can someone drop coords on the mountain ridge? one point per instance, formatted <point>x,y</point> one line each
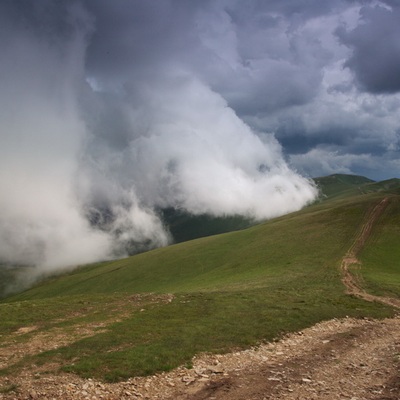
<point>155,311</point>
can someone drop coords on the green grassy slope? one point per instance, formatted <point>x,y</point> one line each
<point>296,244</point>
<point>231,290</point>
<point>342,184</point>
<point>387,186</point>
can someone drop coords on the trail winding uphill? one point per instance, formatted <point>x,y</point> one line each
<point>338,359</point>
<point>352,284</point>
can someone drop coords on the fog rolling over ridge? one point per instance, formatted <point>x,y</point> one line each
<point>91,148</point>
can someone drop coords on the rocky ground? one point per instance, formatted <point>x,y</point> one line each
<point>338,359</point>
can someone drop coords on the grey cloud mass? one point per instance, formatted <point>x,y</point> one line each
<point>375,58</point>
<point>113,110</point>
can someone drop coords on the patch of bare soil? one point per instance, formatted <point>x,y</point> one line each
<point>12,350</point>
<point>337,359</point>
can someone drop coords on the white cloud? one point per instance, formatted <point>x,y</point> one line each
<point>82,172</point>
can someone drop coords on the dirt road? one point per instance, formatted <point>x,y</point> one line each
<point>337,359</point>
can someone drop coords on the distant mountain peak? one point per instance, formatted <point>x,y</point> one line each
<point>346,184</point>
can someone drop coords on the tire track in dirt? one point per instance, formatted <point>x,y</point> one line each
<point>352,284</point>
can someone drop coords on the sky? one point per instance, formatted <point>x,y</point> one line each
<point>113,110</point>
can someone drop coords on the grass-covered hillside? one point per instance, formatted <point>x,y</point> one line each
<point>341,184</point>
<point>156,310</point>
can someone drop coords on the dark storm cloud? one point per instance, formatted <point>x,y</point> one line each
<point>263,60</point>
<point>375,59</point>
<point>291,8</point>
<point>252,54</point>
<point>337,120</point>
<point>138,37</point>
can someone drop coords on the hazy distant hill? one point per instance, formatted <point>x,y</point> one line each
<point>336,184</point>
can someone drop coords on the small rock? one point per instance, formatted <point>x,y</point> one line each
<point>188,379</point>
<point>199,371</point>
<point>216,369</point>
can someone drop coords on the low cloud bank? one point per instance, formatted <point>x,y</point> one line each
<point>85,165</point>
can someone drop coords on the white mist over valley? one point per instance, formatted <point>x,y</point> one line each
<point>86,161</point>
